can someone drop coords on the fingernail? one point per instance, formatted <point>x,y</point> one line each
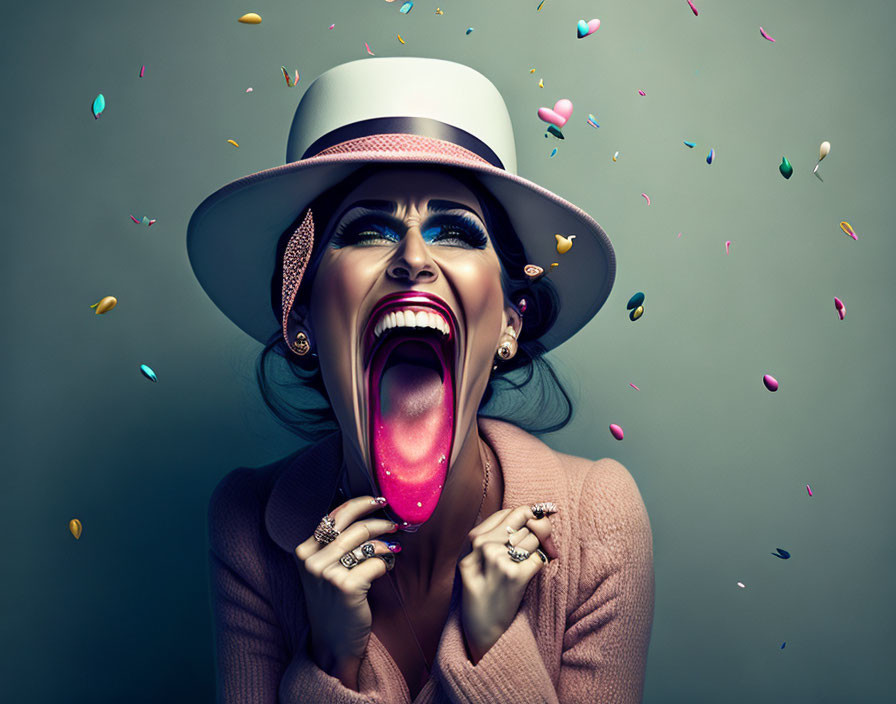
<point>393,546</point>
<point>380,500</point>
<point>393,528</point>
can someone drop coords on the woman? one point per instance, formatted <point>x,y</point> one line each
<point>422,551</point>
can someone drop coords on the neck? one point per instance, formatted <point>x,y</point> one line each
<point>431,553</point>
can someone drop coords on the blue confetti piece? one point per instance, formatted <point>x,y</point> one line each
<point>783,554</point>
<point>99,104</point>
<point>148,373</point>
<point>469,29</point>
<point>556,132</point>
<point>406,8</point>
<point>554,153</point>
<point>783,644</point>
<point>691,145</point>
<point>710,156</point>
<point>592,120</point>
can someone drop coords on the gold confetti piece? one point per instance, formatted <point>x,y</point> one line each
<point>439,12</point>
<point>250,18</point>
<point>230,141</point>
<point>531,70</point>
<point>564,244</point>
<point>74,526</point>
<point>105,304</point>
<point>541,83</point>
<point>399,38</point>
<point>553,264</point>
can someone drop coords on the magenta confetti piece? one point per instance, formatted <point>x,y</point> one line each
<point>634,387</point>
<point>765,35</point>
<point>135,219</point>
<point>368,49</point>
<point>646,197</point>
<point>727,245</point>
<point>331,26</point>
<point>141,71</point>
<point>841,309</point>
<point>617,431</point>
<point>770,382</point>
<point>679,235</point>
<point>249,90</point>
<point>693,9</point>
<point>641,92</point>
<point>809,490</point>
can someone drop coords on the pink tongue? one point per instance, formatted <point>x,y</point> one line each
<point>413,423</point>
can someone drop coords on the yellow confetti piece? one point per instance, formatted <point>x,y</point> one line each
<point>531,70</point>
<point>439,12</point>
<point>541,83</point>
<point>230,141</point>
<point>399,38</point>
<point>74,526</point>
<point>250,18</point>
<point>554,264</point>
<point>105,304</point>
<point>564,244</point>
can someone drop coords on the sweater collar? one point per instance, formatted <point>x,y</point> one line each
<point>307,484</point>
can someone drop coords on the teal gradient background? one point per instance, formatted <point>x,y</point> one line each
<point>123,614</point>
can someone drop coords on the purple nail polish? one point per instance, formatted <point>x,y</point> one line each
<point>393,546</point>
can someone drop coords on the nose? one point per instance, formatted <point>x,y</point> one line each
<point>412,261</point>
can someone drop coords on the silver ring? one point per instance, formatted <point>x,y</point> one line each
<point>368,549</point>
<point>544,508</point>
<point>389,559</point>
<point>542,555</point>
<point>349,560</point>
<point>518,554</point>
<point>326,530</point>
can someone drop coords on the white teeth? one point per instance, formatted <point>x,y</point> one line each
<point>410,319</point>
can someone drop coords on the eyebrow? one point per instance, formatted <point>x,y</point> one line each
<point>435,205</point>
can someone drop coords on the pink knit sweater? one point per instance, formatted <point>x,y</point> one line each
<point>581,633</point>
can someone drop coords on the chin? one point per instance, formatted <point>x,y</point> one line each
<point>407,390</point>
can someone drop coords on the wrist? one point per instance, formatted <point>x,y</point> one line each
<point>345,668</point>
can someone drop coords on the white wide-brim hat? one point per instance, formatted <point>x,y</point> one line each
<point>392,110</point>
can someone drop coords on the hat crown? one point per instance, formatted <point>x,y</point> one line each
<point>434,90</point>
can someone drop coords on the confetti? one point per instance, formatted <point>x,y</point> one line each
<point>646,197</point>
<point>469,29</point>
<point>783,554</point>
<point>564,244</point>
<point>250,18</point>
<point>331,26</point>
<point>847,228</point>
<point>740,584</point>
<point>809,490</point>
<point>690,145</point>
<point>406,8</point>
<point>368,49</point>
<point>439,12</point>
<point>839,307</point>
<point>785,168</point>
<point>693,9</point>
<point>135,219</point>
<point>146,221</point>
<point>711,157</point>
<point>641,92</point>
<point>99,104</point>
<point>142,68</point>
<point>541,83</point>
<point>554,152</point>
<point>727,246</point>
<point>823,150</point>
<point>679,235</point>
<point>105,304</point>
<point>74,526</point>
<point>583,28</point>
<point>538,9</point>
<point>531,70</point>
<point>558,115</point>
<point>230,141</point>
<point>636,300</point>
<point>615,155</point>
<point>249,90</point>
<point>636,313</point>
<point>633,386</point>
<point>592,120</point>
<point>783,644</point>
<point>554,264</point>
<point>616,431</point>
<point>554,131</point>
<point>770,382</point>
<point>400,39</point>
<point>148,373</point>
<point>765,35</point>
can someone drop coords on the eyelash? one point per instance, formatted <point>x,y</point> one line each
<point>353,231</point>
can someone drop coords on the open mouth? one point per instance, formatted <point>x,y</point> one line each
<point>409,359</point>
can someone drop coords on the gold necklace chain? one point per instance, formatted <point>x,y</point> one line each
<point>394,581</point>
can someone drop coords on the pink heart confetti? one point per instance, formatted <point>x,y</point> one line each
<point>559,115</point>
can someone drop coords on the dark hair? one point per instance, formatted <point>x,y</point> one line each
<point>524,390</point>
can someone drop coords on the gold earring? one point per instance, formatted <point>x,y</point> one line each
<point>301,346</point>
<point>507,349</point>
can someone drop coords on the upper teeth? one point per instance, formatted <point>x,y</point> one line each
<point>410,319</point>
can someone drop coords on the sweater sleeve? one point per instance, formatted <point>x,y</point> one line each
<point>253,662</point>
<point>608,629</point>
<point>250,648</point>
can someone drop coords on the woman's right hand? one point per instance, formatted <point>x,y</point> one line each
<point>336,596</point>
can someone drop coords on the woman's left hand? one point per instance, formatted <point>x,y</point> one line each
<point>493,583</point>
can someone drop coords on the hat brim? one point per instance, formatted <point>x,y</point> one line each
<point>232,236</point>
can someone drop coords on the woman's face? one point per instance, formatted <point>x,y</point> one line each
<point>406,314</point>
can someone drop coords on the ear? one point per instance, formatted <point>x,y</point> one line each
<point>513,318</point>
